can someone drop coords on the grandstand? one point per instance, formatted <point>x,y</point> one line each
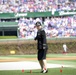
<point>58,11</point>
<point>8,28</point>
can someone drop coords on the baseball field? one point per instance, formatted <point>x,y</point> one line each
<point>58,64</point>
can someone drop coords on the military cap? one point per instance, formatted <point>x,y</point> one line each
<point>38,23</point>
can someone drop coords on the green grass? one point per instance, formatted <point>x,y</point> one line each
<point>35,55</point>
<point>64,62</point>
<point>53,71</point>
<point>8,37</point>
<point>18,56</point>
<point>62,55</point>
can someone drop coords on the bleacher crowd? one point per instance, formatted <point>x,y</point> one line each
<point>55,27</point>
<point>15,6</point>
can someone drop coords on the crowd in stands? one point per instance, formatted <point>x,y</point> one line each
<point>15,6</point>
<point>55,27</point>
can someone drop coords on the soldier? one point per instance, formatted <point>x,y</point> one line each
<point>42,47</point>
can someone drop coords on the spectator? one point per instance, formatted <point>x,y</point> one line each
<point>54,27</point>
<point>33,6</point>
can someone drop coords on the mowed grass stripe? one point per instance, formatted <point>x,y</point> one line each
<point>64,62</point>
<point>35,55</point>
<point>53,71</point>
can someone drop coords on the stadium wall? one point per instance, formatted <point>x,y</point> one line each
<point>22,47</point>
<point>38,14</point>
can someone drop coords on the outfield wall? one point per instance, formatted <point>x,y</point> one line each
<point>22,46</point>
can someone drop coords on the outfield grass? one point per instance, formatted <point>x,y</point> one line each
<point>53,71</point>
<point>35,55</point>
<point>62,55</point>
<point>8,37</point>
<point>64,62</point>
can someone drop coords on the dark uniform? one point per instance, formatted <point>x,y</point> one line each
<point>41,44</point>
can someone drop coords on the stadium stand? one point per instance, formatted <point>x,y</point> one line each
<point>36,5</point>
<point>15,17</point>
<point>54,27</point>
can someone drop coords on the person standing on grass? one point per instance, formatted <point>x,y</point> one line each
<point>42,47</point>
